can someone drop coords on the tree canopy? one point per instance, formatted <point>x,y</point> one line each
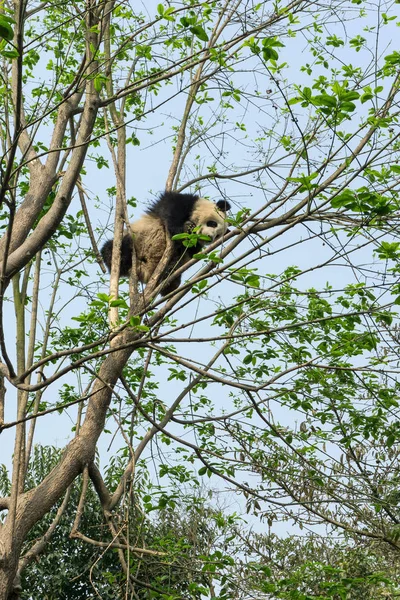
<point>239,437</point>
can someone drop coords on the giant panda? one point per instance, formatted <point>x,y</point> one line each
<point>172,213</point>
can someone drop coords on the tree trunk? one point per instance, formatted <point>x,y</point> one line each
<point>33,504</point>
<point>9,555</point>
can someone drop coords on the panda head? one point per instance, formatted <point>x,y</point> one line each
<point>209,218</point>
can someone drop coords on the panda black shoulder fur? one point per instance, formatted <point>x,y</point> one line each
<point>174,213</point>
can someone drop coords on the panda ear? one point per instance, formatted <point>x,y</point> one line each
<point>223,205</point>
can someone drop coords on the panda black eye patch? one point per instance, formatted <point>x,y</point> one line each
<point>212,224</point>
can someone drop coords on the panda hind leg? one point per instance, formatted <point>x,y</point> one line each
<point>126,255</point>
<point>171,286</point>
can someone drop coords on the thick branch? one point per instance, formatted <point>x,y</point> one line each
<point>49,223</point>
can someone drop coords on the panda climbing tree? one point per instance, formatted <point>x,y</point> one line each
<point>173,214</point>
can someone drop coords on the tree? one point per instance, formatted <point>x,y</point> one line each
<point>170,544</point>
<point>256,373</point>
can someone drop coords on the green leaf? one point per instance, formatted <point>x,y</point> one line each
<point>199,32</point>
<point>347,198</point>
<point>351,95</point>
<point>272,42</point>
<point>253,281</point>
<point>390,440</point>
<point>103,297</point>
<point>180,236</point>
<point>365,97</point>
<point>270,54</point>
<point>269,45</point>
<point>347,106</point>
<point>6,31</point>
<point>119,303</point>
<point>324,100</point>
<point>10,53</point>
<point>389,250</point>
<point>99,82</point>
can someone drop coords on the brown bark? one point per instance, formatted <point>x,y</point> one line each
<point>35,503</point>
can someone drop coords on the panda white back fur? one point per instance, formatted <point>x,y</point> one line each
<point>172,213</point>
